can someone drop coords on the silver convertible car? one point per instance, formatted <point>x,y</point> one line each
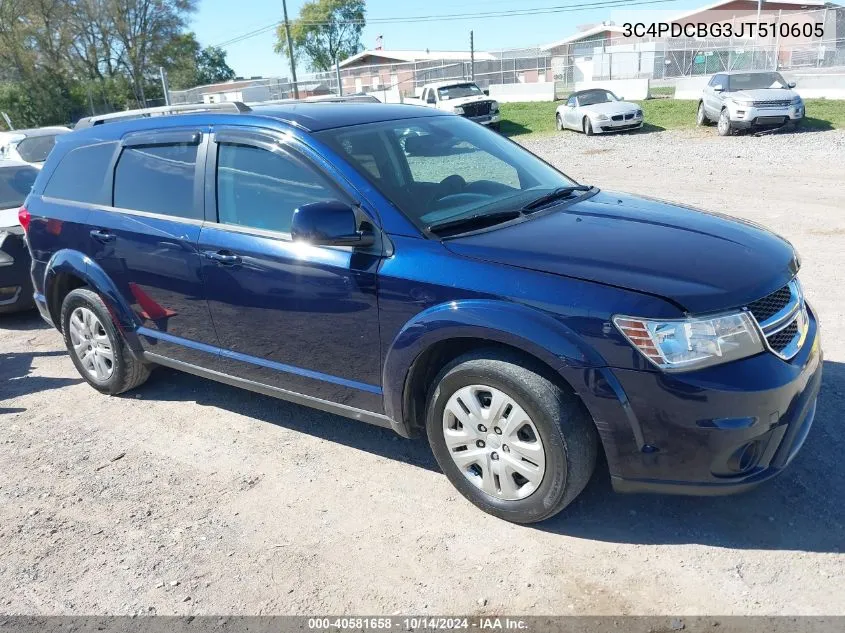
<point>596,110</point>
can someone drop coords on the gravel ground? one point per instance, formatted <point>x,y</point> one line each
<point>190,497</point>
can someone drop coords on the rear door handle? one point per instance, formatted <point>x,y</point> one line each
<point>226,258</point>
<point>102,236</point>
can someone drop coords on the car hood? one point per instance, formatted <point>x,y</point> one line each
<point>703,262</point>
<point>611,107</point>
<point>9,218</point>
<point>764,94</point>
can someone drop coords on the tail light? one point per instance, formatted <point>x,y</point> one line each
<point>24,218</point>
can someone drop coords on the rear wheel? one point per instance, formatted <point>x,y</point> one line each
<point>515,444</point>
<point>701,118</point>
<point>97,349</point>
<point>724,125</point>
<point>588,126</point>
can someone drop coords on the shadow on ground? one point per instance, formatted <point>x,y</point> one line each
<point>803,509</point>
<point>29,320</point>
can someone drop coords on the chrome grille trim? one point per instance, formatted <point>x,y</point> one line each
<point>792,315</point>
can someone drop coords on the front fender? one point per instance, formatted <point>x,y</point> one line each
<point>538,333</point>
<point>79,265</point>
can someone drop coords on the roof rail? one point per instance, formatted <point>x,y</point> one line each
<point>99,119</point>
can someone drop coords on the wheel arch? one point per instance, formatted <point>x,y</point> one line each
<point>68,270</point>
<point>440,334</point>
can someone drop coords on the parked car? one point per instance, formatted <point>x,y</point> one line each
<point>595,111</point>
<point>16,180</point>
<point>30,146</point>
<point>460,97</point>
<point>749,100</point>
<point>408,268</point>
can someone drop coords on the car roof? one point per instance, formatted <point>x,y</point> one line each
<point>314,117</point>
<point>40,131</point>
<point>748,72</point>
<point>452,82</point>
<point>588,90</point>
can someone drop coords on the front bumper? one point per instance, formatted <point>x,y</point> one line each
<point>486,119</point>
<point>744,118</point>
<point>617,126</point>
<point>719,430</point>
<point>15,281</point>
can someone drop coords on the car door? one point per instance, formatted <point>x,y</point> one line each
<point>712,99</point>
<point>290,315</point>
<point>571,114</point>
<point>146,242</point>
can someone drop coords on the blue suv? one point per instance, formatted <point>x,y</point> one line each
<point>409,268</point>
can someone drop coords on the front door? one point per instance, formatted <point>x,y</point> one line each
<point>289,315</point>
<point>146,242</point>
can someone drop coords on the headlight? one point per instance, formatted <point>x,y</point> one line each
<point>685,344</point>
<point>638,113</point>
<point>743,103</point>
<point>458,110</point>
<point>602,117</point>
<point>494,106</point>
<point>796,100</point>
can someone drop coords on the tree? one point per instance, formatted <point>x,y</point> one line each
<point>325,31</point>
<point>212,66</point>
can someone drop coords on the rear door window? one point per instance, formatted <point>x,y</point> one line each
<point>35,149</point>
<point>158,179</point>
<point>15,183</point>
<point>81,174</point>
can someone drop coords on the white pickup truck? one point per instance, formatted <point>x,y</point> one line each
<point>461,97</point>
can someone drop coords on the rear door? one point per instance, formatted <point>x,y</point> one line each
<point>147,241</point>
<point>289,315</point>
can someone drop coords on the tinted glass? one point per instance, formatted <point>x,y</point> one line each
<point>35,149</point>
<point>756,81</point>
<point>458,91</point>
<point>15,183</point>
<point>443,168</point>
<point>81,173</point>
<point>260,189</point>
<point>596,96</point>
<point>157,179</point>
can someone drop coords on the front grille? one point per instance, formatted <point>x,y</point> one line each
<point>616,117</point>
<point>779,341</point>
<point>629,116</point>
<point>771,120</point>
<point>765,308</point>
<point>480,108</point>
<point>771,104</point>
<point>782,316</point>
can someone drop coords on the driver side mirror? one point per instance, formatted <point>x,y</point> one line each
<point>329,223</point>
<point>791,84</point>
<point>487,92</point>
<point>718,88</point>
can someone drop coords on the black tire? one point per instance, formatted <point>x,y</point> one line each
<point>701,119</point>
<point>566,429</point>
<point>724,127</point>
<point>127,371</point>
<point>558,123</point>
<point>588,126</point>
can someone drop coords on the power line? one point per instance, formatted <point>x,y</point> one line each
<point>457,16</point>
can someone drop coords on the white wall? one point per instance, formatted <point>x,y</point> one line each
<point>387,96</point>
<point>817,86</point>
<point>690,87</point>
<point>508,93</point>
<point>629,89</point>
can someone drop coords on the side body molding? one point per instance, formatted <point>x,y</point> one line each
<point>537,333</point>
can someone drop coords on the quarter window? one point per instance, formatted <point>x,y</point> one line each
<point>81,173</point>
<point>158,179</point>
<point>260,189</point>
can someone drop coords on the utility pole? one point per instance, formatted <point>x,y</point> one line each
<point>290,50</point>
<point>471,56</point>
<point>164,88</point>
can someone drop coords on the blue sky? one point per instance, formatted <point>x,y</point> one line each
<point>221,20</point>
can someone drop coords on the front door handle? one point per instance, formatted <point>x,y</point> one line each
<point>102,235</point>
<point>226,258</point>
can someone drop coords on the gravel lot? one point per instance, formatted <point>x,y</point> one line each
<point>190,497</point>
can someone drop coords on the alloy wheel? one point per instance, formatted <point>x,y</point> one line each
<point>91,344</point>
<point>493,442</point>
<point>724,123</point>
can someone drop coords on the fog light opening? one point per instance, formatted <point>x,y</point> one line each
<point>745,457</point>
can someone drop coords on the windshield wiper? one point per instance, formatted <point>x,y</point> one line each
<point>560,192</point>
<point>479,220</point>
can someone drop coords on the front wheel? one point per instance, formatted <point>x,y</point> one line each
<point>558,123</point>
<point>512,442</point>
<point>724,125</point>
<point>701,118</point>
<point>588,126</point>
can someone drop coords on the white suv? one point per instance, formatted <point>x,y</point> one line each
<point>749,100</point>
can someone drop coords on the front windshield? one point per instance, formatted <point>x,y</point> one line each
<point>596,96</point>
<point>15,183</point>
<point>437,169</point>
<point>755,81</point>
<point>458,91</point>
<point>35,149</point>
